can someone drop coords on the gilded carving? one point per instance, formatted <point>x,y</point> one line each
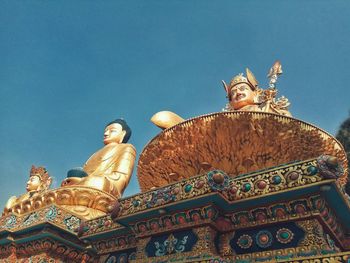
<point>234,142</point>
<point>249,184</point>
<point>39,182</point>
<point>45,250</point>
<point>314,233</point>
<point>239,187</point>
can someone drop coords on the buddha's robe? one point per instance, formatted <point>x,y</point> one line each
<point>109,169</point>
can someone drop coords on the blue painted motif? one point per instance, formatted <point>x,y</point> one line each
<point>170,245</point>
<point>51,213</point>
<point>30,219</point>
<point>177,242</point>
<point>72,222</point>
<point>11,221</point>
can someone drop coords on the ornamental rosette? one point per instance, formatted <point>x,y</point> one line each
<point>218,180</point>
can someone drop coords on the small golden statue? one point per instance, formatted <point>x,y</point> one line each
<point>110,168</point>
<point>39,181</point>
<point>244,93</point>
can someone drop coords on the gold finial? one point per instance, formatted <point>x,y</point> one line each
<point>273,74</point>
<point>276,69</point>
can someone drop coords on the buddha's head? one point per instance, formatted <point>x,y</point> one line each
<point>240,92</point>
<point>39,179</point>
<point>117,131</point>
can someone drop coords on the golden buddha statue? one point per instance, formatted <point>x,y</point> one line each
<point>39,181</point>
<point>244,93</point>
<point>110,168</point>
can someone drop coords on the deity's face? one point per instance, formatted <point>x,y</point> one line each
<point>241,95</point>
<point>113,133</point>
<point>33,183</point>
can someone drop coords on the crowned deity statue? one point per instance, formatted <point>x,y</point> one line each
<point>39,181</point>
<point>244,93</point>
<point>110,168</point>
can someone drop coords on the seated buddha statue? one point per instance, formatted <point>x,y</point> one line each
<point>39,181</point>
<point>110,168</point>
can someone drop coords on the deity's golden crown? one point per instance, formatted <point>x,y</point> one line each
<point>250,80</point>
<point>239,79</point>
<point>41,172</point>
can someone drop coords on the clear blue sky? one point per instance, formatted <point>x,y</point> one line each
<point>69,67</point>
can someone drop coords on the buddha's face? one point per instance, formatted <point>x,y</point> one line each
<point>113,133</point>
<point>33,183</point>
<point>241,95</point>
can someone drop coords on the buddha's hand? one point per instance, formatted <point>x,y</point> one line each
<point>71,181</point>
